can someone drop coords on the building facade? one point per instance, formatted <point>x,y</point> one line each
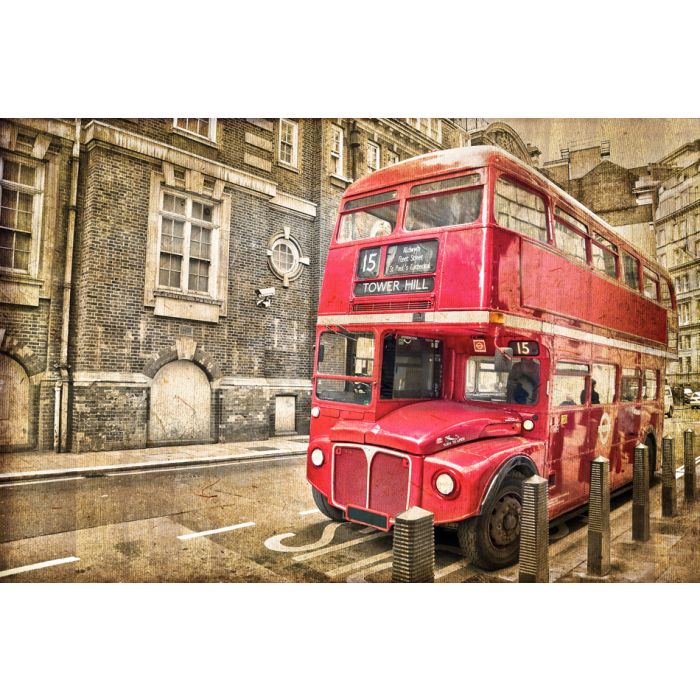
<point>159,277</point>
<point>677,222</point>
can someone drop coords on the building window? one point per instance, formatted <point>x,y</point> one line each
<point>288,143</point>
<point>285,258</point>
<point>431,127</point>
<point>684,313</point>
<point>187,237</point>
<point>373,156</point>
<point>206,128</point>
<point>392,158</point>
<point>337,143</point>
<point>21,184</point>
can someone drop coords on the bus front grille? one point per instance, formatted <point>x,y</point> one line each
<point>386,473</point>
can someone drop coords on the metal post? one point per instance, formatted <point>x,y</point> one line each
<point>599,518</point>
<point>689,481</point>
<point>534,532</point>
<point>640,494</point>
<point>669,496</point>
<point>413,547</point>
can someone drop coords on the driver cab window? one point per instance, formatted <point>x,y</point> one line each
<point>411,368</point>
<point>519,385</point>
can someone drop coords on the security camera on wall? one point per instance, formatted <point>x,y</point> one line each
<point>264,295</point>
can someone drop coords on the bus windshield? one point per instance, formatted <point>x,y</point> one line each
<point>520,385</point>
<point>345,355</point>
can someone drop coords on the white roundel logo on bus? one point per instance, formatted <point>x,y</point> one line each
<point>604,429</point>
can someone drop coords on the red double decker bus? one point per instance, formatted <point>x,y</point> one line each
<point>477,326</point>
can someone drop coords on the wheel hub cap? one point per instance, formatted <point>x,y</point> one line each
<point>504,525</point>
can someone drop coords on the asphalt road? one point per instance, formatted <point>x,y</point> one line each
<point>253,522</point>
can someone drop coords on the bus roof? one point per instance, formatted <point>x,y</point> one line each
<point>456,159</point>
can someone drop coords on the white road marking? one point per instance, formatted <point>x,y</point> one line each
<point>29,482</point>
<point>337,547</point>
<point>359,577</point>
<point>308,512</point>
<point>192,535</point>
<point>275,543</point>
<point>340,570</point>
<point>40,565</point>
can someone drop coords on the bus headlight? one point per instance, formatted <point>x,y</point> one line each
<point>317,457</point>
<point>315,411</point>
<point>445,484</point>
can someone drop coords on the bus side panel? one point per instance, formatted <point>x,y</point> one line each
<point>464,273</point>
<point>552,283</point>
<point>336,289</point>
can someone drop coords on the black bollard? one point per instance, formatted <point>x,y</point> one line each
<point>599,518</point>
<point>413,547</point>
<point>689,480</point>
<point>669,495</point>
<point>640,494</point>
<point>534,532</point>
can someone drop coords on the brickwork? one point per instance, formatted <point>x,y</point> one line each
<point>118,341</point>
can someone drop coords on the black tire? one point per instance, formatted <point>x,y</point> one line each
<point>492,540</point>
<point>326,508</point>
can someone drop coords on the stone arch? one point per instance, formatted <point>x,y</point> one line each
<point>505,137</point>
<point>185,348</point>
<point>20,353</point>
<point>180,405</point>
<point>15,402</point>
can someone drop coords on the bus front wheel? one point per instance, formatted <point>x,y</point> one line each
<point>326,508</point>
<point>492,540</point>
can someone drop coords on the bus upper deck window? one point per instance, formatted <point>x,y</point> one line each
<point>449,206</point>
<point>371,221</point>
<point>651,284</point>
<point>520,210</point>
<point>630,269</point>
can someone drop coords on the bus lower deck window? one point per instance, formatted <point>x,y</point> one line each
<point>520,385</point>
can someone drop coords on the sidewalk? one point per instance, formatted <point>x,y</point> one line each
<point>21,466</point>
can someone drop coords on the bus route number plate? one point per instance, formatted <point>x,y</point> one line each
<point>524,348</point>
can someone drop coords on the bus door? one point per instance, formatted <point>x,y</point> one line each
<point>569,446</point>
<point>603,431</point>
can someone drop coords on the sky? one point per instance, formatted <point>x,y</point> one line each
<point>633,142</point>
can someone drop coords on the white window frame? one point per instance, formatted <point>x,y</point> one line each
<point>373,167</point>
<point>337,154</point>
<point>188,220</point>
<point>37,192</point>
<point>212,128</point>
<point>426,125</point>
<point>294,162</point>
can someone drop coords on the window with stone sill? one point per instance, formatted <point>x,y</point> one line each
<point>21,190</point>
<point>204,128</point>
<point>337,145</point>
<point>373,156</point>
<point>188,236</point>
<point>288,145</point>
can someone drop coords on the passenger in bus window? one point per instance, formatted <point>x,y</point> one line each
<point>523,382</point>
<point>595,398</point>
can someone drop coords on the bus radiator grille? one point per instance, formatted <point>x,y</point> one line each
<point>418,305</point>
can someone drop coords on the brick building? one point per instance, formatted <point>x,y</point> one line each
<point>159,277</point>
<point>619,195</point>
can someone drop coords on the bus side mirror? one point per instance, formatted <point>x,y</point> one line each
<point>503,359</point>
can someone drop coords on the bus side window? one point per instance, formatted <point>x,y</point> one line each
<point>603,384</point>
<point>569,384</point>
<point>629,386</point>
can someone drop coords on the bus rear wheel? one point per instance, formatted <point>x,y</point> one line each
<point>492,540</point>
<point>326,508</point>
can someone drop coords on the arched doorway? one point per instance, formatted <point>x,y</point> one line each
<point>14,403</point>
<point>180,407</point>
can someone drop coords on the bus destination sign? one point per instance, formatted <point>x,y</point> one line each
<point>411,258</point>
<point>407,285</point>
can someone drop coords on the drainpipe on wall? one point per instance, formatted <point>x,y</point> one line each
<point>61,388</point>
<point>354,149</point>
